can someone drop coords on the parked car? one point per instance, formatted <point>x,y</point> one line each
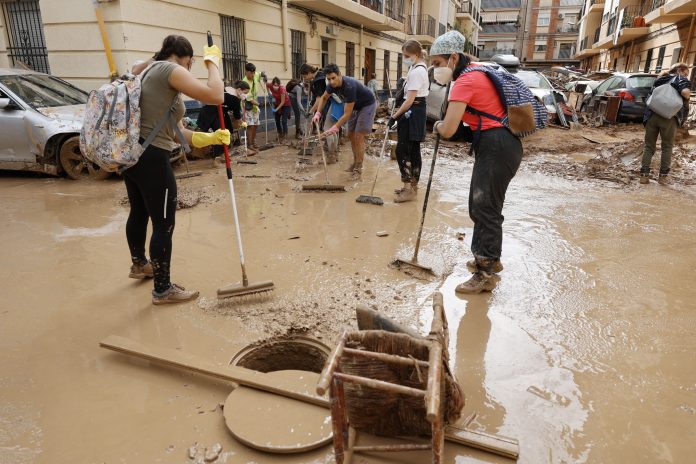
<point>437,92</point>
<point>541,88</point>
<point>633,88</point>
<point>40,121</point>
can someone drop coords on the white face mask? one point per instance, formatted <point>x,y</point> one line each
<point>408,62</point>
<point>443,75</point>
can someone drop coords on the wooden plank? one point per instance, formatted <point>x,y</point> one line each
<point>502,446</point>
<point>172,358</point>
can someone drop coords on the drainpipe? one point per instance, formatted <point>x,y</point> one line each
<point>113,73</point>
<point>687,49</point>
<point>284,21</point>
<point>362,51</point>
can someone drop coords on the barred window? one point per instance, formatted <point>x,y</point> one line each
<point>298,44</point>
<point>233,47</point>
<point>350,59</point>
<point>26,41</point>
<point>386,84</point>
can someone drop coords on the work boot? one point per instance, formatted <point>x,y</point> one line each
<point>496,266</point>
<point>663,180</point>
<point>175,294</point>
<point>480,281</point>
<point>406,194</point>
<point>645,178</point>
<point>141,270</point>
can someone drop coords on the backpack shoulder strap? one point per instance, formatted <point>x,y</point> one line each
<point>167,116</point>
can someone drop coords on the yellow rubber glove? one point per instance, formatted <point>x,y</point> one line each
<point>212,54</point>
<point>205,139</point>
<point>244,125</point>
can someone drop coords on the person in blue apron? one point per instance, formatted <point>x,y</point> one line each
<point>410,118</point>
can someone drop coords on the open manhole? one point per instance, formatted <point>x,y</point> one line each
<point>296,353</point>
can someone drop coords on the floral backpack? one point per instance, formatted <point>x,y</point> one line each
<point>110,135</point>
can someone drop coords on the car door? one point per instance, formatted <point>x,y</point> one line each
<point>14,140</point>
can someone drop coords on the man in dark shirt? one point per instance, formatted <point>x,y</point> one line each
<point>666,128</point>
<point>359,112</point>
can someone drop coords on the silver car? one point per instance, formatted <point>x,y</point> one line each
<point>40,121</point>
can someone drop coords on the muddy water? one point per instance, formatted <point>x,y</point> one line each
<point>584,352</point>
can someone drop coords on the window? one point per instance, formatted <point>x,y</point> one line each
<point>350,59</point>
<point>543,19</point>
<point>676,54</point>
<point>324,52</point>
<point>646,69</point>
<point>660,58</point>
<point>26,42</point>
<point>539,48</point>
<point>233,47</point>
<point>298,45</point>
<point>386,84</point>
<point>399,66</point>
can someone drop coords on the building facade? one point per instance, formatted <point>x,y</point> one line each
<point>637,36</point>
<point>540,33</point>
<point>361,36</point>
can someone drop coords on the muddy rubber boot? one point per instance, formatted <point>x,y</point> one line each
<point>141,270</point>
<point>406,194</point>
<point>175,294</point>
<point>645,178</point>
<point>663,180</point>
<point>480,281</point>
<point>496,266</point>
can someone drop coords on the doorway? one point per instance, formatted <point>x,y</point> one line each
<point>370,64</point>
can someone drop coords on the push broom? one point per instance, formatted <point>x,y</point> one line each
<point>327,186</point>
<point>398,262</point>
<point>246,288</point>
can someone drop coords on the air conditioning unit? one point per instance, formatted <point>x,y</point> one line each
<point>332,29</point>
<point>560,15</point>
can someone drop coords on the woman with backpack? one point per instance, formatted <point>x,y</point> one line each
<point>411,118</point>
<point>150,183</point>
<point>498,154</point>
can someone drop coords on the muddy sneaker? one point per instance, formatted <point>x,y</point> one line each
<point>663,180</point>
<point>175,294</point>
<point>479,282</point>
<point>644,179</point>
<point>495,269</point>
<point>356,174</point>
<point>406,194</point>
<point>141,271</point>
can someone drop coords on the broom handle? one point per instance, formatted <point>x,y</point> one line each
<point>386,137</point>
<point>306,116</point>
<point>323,156</point>
<point>443,111</point>
<point>228,168</point>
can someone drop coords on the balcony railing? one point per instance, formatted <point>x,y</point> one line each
<point>441,29</point>
<point>567,28</point>
<point>468,7</point>
<point>649,5</point>
<point>630,14</point>
<point>489,53</point>
<point>421,25</point>
<point>395,9</point>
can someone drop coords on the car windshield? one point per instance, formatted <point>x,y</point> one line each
<point>533,80</point>
<point>42,91</point>
<point>641,81</point>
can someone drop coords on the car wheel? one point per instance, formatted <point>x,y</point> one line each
<point>75,166</point>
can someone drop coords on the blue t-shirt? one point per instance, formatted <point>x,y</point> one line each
<point>353,91</point>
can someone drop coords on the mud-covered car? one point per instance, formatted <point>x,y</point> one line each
<point>40,121</point>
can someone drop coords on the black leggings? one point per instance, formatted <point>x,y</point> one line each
<point>498,156</point>
<point>151,188</point>
<point>408,154</point>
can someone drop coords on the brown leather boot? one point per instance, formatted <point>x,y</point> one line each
<point>480,281</point>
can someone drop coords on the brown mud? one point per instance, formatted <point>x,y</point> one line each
<point>584,352</point>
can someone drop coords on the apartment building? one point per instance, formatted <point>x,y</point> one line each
<point>632,35</point>
<point>540,33</point>
<point>362,36</point>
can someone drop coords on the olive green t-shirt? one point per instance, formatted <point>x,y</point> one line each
<point>155,100</point>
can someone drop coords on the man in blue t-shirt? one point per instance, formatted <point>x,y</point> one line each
<point>359,112</point>
<point>666,128</point>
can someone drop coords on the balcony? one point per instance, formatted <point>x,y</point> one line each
<point>568,29</point>
<point>586,49</point>
<point>422,27</point>
<point>667,12</point>
<point>631,26</point>
<point>373,14</point>
<point>467,10</point>
<point>487,54</point>
<point>596,6</point>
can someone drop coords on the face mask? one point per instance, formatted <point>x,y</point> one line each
<point>276,88</point>
<point>243,95</point>
<point>327,81</point>
<point>408,62</point>
<point>443,75</point>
